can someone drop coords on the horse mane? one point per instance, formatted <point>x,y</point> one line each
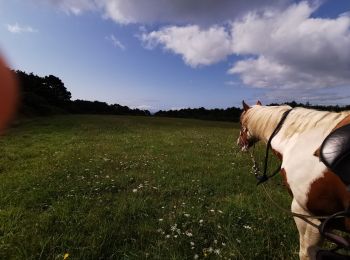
<point>263,119</point>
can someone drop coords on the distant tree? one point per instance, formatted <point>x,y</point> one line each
<point>48,95</point>
<point>97,107</point>
<point>42,96</point>
<point>56,89</point>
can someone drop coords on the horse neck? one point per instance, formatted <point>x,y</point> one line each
<point>264,120</point>
<point>299,123</point>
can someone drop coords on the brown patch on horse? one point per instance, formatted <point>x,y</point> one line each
<point>285,181</point>
<point>278,154</point>
<point>328,195</point>
<point>317,153</point>
<point>344,122</point>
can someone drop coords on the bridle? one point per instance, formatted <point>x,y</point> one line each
<point>341,242</point>
<point>264,177</point>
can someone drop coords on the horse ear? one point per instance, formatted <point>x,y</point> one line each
<point>258,103</point>
<point>245,106</point>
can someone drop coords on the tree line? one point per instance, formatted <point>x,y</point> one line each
<point>233,113</point>
<point>47,95</point>
<point>228,114</point>
<point>334,108</point>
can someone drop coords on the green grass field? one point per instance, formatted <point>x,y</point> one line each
<point>110,187</point>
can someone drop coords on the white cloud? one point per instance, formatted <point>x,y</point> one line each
<point>16,28</point>
<point>232,83</point>
<point>292,50</point>
<point>197,46</point>
<point>76,7</point>
<point>116,43</point>
<point>287,50</point>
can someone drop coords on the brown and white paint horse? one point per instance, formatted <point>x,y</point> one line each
<point>314,188</point>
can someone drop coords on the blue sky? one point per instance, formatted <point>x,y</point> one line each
<point>162,55</point>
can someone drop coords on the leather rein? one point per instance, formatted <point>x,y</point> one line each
<point>325,220</point>
<point>264,177</point>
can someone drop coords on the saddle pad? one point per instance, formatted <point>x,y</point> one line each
<point>335,152</point>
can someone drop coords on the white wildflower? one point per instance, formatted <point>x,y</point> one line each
<point>189,234</point>
<point>247,227</point>
<point>217,251</point>
<point>173,228</point>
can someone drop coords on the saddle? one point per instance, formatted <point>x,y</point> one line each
<point>335,152</point>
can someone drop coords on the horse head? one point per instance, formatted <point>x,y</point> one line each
<point>246,138</point>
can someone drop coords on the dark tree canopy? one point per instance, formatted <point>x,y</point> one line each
<point>56,88</point>
<point>228,114</point>
<point>48,95</point>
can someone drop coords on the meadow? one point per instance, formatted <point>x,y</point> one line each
<point>118,187</point>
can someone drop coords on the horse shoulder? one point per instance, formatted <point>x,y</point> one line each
<point>301,168</point>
